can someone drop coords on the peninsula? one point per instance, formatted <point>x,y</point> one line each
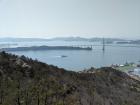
<point>35,48</point>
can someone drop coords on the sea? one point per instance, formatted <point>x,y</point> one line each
<point>77,60</point>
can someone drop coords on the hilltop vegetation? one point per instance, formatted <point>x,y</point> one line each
<point>24,81</point>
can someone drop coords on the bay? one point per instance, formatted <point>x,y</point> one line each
<point>81,59</point>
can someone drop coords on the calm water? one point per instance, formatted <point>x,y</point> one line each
<point>79,60</point>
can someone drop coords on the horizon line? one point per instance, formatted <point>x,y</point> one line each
<point>70,37</point>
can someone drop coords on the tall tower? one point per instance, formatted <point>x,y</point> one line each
<point>103,44</point>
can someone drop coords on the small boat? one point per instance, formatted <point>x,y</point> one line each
<point>63,56</point>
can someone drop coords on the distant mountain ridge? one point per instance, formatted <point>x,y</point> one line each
<point>58,39</point>
<point>21,39</point>
<point>69,39</point>
<point>86,39</point>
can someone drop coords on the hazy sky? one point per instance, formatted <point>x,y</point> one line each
<point>86,18</point>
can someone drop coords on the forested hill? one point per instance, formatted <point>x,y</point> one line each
<point>24,81</point>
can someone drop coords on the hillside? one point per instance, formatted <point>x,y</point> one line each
<point>24,81</point>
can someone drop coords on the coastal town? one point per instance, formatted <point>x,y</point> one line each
<point>131,69</point>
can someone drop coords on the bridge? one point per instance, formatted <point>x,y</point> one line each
<point>83,46</point>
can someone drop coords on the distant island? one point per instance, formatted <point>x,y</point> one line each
<point>137,42</point>
<point>60,39</point>
<point>70,39</point>
<point>35,48</point>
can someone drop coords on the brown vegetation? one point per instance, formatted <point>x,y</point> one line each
<point>24,81</point>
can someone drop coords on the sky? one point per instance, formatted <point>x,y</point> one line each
<point>64,18</point>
